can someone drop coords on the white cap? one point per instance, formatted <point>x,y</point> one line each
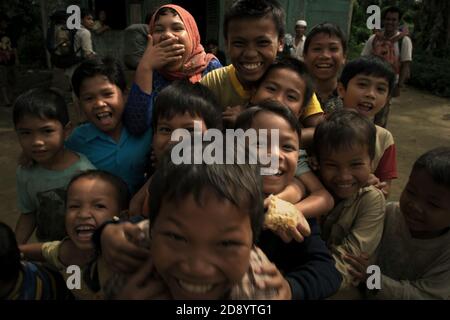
<point>301,23</point>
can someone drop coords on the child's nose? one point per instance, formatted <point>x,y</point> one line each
<point>197,267</point>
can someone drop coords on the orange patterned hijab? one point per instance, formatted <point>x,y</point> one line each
<point>198,59</point>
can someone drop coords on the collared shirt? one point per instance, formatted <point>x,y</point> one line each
<point>298,49</point>
<point>127,158</point>
<point>355,225</point>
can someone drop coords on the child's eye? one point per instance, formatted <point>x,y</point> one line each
<point>238,44</point>
<point>292,98</point>
<point>362,84</point>
<point>316,49</point>
<point>49,130</point>
<point>270,88</point>
<point>73,206</point>
<point>357,164</point>
<point>334,49</point>
<point>175,237</point>
<point>264,43</point>
<point>24,133</point>
<point>99,206</point>
<point>382,89</point>
<point>164,130</point>
<point>229,243</point>
<point>289,147</point>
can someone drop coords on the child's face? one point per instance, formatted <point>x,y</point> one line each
<point>325,56</point>
<point>90,202</point>
<point>425,205</point>
<point>365,94</point>
<point>253,45</point>
<point>165,127</point>
<point>289,145</point>
<point>284,86</point>
<point>102,103</point>
<point>169,26</point>
<point>88,21</point>
<point>41,139</point>
<point>345,171</point>
<point>201,251</point>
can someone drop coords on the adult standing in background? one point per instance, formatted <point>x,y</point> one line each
<point>299,41</point>
<point>402,47</point>
<point>135,42</point>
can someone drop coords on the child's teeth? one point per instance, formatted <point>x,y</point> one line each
<point>195,288</point>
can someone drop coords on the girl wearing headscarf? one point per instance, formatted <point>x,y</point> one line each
<point>173,52</point>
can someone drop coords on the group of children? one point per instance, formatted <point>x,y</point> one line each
<point>197,231</point>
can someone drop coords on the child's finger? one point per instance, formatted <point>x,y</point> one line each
<point>296,235</point>
<point>355,274</point>
<point>303,226</point>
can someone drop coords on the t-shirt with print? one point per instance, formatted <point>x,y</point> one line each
<point>42,191</point>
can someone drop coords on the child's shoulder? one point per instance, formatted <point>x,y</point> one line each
<point>384,136</point>
<point>371,196</point>
<point>218,74</point>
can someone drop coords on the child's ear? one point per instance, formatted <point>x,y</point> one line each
<point>68,130</point>
<point>341,90</point>
<point>280,44</point>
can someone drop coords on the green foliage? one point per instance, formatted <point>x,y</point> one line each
<point>431,73</point>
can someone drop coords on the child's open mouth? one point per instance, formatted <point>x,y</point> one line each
<point>195,288</point>
<point>85,232</point>
<point>365,107</point>
<point>251,66</point>
<point>104,117</point>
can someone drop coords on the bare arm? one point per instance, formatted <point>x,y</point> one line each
<point>294,192</point>
<point>319,202</point>
<point>137,202</point>
<point>25,227</point>
<point>32,251</point>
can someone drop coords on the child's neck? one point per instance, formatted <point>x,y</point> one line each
<point>70,254</point>
<point>115,134</point>
<point>248,86</point>
<point>61,161</point>
<point>325,88</point>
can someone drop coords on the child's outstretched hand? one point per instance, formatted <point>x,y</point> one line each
<point>377,183</point>
<point>359,266</point>
<point>119,249</point>
<point>145,284</point>
<point>274,279</point>
<point>157,56</point>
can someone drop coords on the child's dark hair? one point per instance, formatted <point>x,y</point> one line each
<point>108,67</point>
<point>241,184</point>
<point>329,29</point>
<point>436,163</point>
<point>194,98</point>
<point>245,9</point>
<point>299,68</point>
<point>393,9</point>
<point>344,129</point>
<point>9,254</point>
<point>44,103</point>
<point>84,12</point>
<point>368,66</point>
<point>245,119</point>
<point>123,195</point>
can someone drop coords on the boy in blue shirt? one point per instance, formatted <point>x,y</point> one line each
<point>100,85</point>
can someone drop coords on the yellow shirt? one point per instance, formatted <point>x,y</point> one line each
<point>223,82</point>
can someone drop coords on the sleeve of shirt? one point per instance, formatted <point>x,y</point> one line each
<point>302,164</point>
<point>213,64</point>
<point>312,108</point>
<point>406,53</point>
<point>387,167</point>
<point>367,50</point>
<point>86,43</point>
<point>138,111</point>
<point>50,252</point>
<point>24,202</point>
<point>365,234</point>
<point>318,277</point>
<point>434,286</point>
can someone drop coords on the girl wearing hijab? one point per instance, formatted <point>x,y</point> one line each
<point>173,52</point>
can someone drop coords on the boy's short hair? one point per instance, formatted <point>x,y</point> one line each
<point>343,129</point>
<point>245,119</point>
<point>436,163</point>
<point>256,9</point>
<point>329,29</point>
<point>108,67</point>
<point>123,195</point>
<point>44,103</point>
<point>298,67</point>
<point>9,254</point>
<point>394,9</point>
<point>368,66</point>
<point>84,12</point>
<point>241,184</point>
<point>183,96</point>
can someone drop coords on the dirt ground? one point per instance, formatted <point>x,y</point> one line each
<point>419,121</point>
